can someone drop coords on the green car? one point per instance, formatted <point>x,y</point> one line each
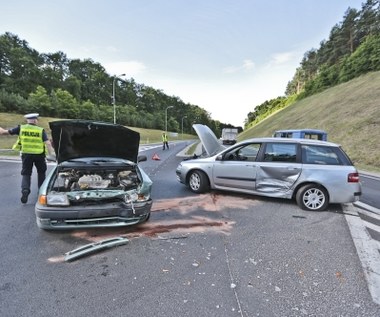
<point>97,181</point>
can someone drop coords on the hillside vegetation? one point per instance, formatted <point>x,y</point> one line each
<point>56,86</point>
<point>349,112</point>
<point>10,120</point>
<point>351,50</point>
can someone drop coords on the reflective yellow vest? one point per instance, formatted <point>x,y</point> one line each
<point>164,138</point>
<point>17,145</point>
<point>31,139</point>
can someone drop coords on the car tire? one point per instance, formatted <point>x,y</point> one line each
<point>198,182</point>
<point>312,197</point>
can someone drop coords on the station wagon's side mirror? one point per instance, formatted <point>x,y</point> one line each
<point>219,158</point>
<point>141,158</point>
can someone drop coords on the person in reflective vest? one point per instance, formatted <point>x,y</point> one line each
<point>33,144</point>
<point>165,141</point>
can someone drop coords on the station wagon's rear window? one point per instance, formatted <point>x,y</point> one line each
<point>313,154</point>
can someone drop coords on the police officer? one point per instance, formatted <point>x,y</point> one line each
<point>33,144</point>
<point>165,141</point>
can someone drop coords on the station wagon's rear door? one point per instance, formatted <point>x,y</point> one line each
<point>278,169</point>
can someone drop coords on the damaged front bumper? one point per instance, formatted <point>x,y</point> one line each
<point>114,214</point>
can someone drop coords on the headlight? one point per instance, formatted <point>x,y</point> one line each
<point>136,197</point>
<point>57,199</point>
<point>143,197</point>
<point>130,197</point>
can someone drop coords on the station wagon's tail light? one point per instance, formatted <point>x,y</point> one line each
<point>353,178</point>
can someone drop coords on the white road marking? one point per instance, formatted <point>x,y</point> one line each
<point>367,249</point>
<point>371,226</point>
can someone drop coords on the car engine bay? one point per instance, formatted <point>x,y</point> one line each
<point>83,179</point>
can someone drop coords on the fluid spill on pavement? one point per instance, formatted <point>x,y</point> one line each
<point>198,214</point>
<point>189,215</point>
<point>207,202</point>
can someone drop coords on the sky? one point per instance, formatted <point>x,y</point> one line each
<point>225,56</point>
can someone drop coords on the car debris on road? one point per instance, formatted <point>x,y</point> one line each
<point>94,247</point>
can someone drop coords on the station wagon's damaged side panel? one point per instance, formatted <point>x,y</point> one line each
<point>278,180</point>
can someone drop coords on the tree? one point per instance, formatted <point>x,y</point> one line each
<point>64,104</point>
<point>96,85</point>
<point>73,85</point>
<point>369,19</point>
<point>86,110</point>
<point>349,32</point>
<point>54,70</point>
<point>19,70</point>
<point>57,86</point>
<point>39,101</point>
<point>365,59</point>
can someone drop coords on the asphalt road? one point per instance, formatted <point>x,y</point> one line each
<point>216,254</point>
<point>370,189</point>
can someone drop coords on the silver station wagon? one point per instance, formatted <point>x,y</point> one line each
<point>97,181</point>
<point>314,173</point>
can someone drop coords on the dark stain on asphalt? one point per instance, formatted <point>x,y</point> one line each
<point>183,216</point>
<point>172,217</point>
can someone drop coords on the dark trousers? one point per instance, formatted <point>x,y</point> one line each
<point>165,144</point>
<point>28,160</point>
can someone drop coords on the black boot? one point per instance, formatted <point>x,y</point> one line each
<point>25,188</point>
<point>25,194</point>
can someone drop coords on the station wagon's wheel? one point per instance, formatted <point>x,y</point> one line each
<point>312,197</point>
<point>198,182</point>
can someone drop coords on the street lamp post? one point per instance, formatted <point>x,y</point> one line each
<point>113,96</point>
<point>182,125</point>
<point>166,118</point>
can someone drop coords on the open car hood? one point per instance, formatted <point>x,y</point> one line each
<point>209,141</point>
<point>82,138</point>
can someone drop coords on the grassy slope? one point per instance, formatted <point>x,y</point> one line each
<point>10,120</point>
<point>350,113</point>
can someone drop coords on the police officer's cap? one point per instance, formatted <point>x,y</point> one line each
<point>31,116</point>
